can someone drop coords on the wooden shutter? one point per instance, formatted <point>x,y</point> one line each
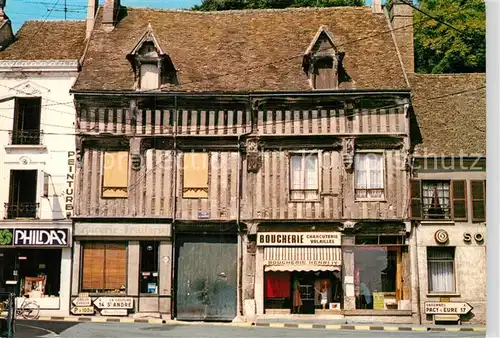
<point>416,199</point>
<point>116,266</point>
<point>459,200</point>
<point>115,178</point>
<point>93,266</point>
<point>478,190</point>
<point>325,74</point>
<point>195,175</point>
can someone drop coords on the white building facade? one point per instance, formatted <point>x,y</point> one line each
<point>37,165</point>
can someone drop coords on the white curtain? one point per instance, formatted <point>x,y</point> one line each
<point>441,191</point>
<point>304,176</point>
<point>369,175</point>
<point>441,270</point>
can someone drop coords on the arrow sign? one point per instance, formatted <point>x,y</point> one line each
<point>82,301</point>
<point>82,310</point>
<point>114,303</point>
<point>448,308</point>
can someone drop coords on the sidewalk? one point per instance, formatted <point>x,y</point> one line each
<point>335,324</point>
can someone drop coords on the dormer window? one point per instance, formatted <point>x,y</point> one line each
<point>322,61</point>
<point>152,66</point>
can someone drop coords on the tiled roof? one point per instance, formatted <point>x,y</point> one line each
<point>450,112</point>
<point>49,40</point>
<point>244,51</point>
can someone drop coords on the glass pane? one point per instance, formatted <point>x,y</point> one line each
<point>441,277</point>
<point>296,172</point>
<point>311,166</point>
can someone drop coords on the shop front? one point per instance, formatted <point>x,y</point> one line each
<point>121,269</point>
<point>35,263</point>
<point>299,273</point>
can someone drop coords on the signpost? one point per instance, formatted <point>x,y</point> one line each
<point>82,301</point>
<point>82,310</point>
<point>114,303</point>
<point>448,308</point>
<point>114,312</point>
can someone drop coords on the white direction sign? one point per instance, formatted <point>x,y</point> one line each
<point>82,301</point>
<point>447,308</point>
<point>114,303</point>
<point>114,312</point>
<point>82,310</point>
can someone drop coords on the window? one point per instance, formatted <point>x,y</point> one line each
<point>324,74</point>
<point>22,195</point>
<point>195,175</point>
<point>148,278</point>
<point>104,267</point>
<point>369,176</point>
<point>26,129</point>
<point>149,76</point>
<point>441,266</point>
<point>304,169</point>
<point>439,200</point>
<point>115,177</point>
<point>478,189</point>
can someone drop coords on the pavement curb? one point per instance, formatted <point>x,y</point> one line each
<point>352,327</point>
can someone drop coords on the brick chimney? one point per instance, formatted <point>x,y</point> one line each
<point>6,34</point>
<point>110,14</point>
<point>92,6</point>
<point>401,15</point>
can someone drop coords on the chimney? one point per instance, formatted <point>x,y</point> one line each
<point>111,8</point>
<point>92,6</point>
<point>401,15</point>
<point>377,7</point>
<point>6,34</point>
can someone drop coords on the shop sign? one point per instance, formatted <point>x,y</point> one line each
<point>448,308</point>
<point>82,310</point>
<point>478,237</point>
<point>70,185</point>
<point>378,301</point>
<point>35,237</point>
<point>283,262</point>
<point>114,312</point>
<point>122,229</point>
<point>299,238</point>
<point>114,303</point>
<point>82,301</point>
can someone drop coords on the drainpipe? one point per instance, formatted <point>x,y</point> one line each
<point>174,213</point>
<point>418,279</point>
<point>238,207</point>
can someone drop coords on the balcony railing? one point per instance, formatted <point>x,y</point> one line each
<point>21,210</point>
<point>433,212</point>
<point>25,137</point>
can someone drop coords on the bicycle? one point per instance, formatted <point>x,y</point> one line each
<point>28,309</point>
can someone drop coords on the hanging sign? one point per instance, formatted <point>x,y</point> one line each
<point>448,308</point>
<point>70,184</point>
<point>114,303</point>
<point>82,310</point>
<point>299,238</point>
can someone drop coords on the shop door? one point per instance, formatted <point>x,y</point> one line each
<point>206,278</point>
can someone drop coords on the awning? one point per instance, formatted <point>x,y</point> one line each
<point>302,258</point>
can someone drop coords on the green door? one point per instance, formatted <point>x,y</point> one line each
<point>206,277</point>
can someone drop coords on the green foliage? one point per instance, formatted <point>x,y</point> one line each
<point>441,49</point>
<point>222,5</point>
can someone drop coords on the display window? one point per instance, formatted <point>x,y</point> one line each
<point>104,267</point>
<point>379,265</point>
<point>33,273</point>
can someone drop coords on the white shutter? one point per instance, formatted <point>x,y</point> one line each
<point>149,76</point>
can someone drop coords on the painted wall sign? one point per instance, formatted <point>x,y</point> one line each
<point>114,312</point>
<point>282,262</point>
<point>114,303</point>
<point>478,237</point>
<point>82,310</point>
<point>122,229</point>
<point>35,237</point>
<point>70,185</point>
<point>448,308</point>
<point>299,238</point>
<point>441,236</point>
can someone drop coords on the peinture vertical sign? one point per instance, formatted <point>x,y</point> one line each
<point>70,185</point>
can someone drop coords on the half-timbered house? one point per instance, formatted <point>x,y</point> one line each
<point>238,163</point>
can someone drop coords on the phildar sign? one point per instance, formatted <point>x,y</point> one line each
<point>298,238</point>
<point>35,237</point>
<point>114,303</point>
<point>448,308</point>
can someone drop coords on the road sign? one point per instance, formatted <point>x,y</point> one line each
<point>448,308</point>
<point>82,301</point>
<point>82,310</point>
<point>114,312</point>
<point>114,303</point>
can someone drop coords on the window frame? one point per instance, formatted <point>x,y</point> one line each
<point>472,200</point>
<point>382,153</point>
<point>158,75</point>
<point>102,188</point>
<point>447,217</point>
<point>455,280</point>
<point>304,153</point>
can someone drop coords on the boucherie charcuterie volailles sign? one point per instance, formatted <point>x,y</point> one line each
<point>35,237</point>
<point>299,238</point>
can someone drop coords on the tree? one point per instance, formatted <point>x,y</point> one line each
<point>441,49</point>
<point>222,5</point>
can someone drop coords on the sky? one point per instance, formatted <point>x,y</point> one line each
<point>21,10</point>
